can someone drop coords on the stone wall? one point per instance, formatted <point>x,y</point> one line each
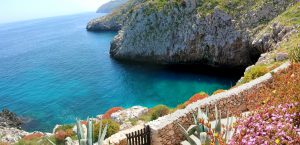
<point>165,131</point>
<point>120,137</point>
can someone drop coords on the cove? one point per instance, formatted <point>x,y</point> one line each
<point>52,70</point>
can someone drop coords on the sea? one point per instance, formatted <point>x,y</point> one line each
<point>53,71</point>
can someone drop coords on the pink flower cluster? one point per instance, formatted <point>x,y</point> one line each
<point>273,125</point>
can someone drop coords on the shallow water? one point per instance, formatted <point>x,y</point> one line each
<point>52,70</point>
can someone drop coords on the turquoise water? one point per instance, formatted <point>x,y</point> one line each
<point>52,71</point>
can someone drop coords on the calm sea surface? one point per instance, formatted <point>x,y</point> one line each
<point>52,70</point>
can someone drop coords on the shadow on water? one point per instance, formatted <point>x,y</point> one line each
<point>193,69</point>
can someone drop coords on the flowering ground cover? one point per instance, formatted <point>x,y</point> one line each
<point>276,115</point>
<point>274,125</point>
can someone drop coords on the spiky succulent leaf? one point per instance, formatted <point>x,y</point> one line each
<point>83,142</point>
<point>50,141</point>
<point>216,113</point>
<point>192,130</point>
<point>69,141</point>
<point>229,133</point>
<point>197,127</point>
<point>100,141</point>
<point>194,118</point>
<point>186,134</point>
<point>80,133</point>
<point>100,131</point>
<point>203,137</point>
<point>89,132</point>
<point>218,127</point>
<point>206,110</point>
<point>227,126</point>
<point>202,115</point>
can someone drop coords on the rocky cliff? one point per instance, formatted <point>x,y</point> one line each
<point>218,33</point>
<point>110,6</point>
<point>115,20</point>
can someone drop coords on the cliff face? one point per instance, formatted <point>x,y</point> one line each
<point>216,33</point>
<point>115,20</point>
<point>110,6</point>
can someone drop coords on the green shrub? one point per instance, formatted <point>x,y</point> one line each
<point>38,141</point>
<point>159,111</point>
<point>63,132</point>
<point>133,121</point>
<point>294,54</point>
<point>254,72</point>
<point>181,106</point>
<point>155,112</point>
<point>64,127</point>
<point>113,127</point>
<point>218,91</point>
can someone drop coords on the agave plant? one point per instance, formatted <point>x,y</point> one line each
<point>202,133</point>
<point>86,138</point>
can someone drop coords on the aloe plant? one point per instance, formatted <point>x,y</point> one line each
<point>201,129</point>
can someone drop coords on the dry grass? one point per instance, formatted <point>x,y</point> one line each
<point>275,113</point>
<point>284,88</point>
<point>3,143</point>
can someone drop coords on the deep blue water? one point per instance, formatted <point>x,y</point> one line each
<point>52,70</point>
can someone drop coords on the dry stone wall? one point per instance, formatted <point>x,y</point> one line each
<point>165,130</point>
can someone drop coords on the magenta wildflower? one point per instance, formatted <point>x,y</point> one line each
<point>269,126</point>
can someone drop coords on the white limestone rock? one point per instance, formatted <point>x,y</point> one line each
<point>130,113</point>
<point>11,135</point>
<point>181,34</point>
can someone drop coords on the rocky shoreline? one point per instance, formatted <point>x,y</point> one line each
<point>10,131</point>
<point>10,125</point>
<point>10,119</point>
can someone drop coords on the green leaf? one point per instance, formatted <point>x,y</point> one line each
<point>187,136</point>
<point>99,135</point>
<point>80,133</point>
<point>203,137</point>
<point>83,142</point>
<point>50,141</point>
<point>89,132</point>
<point>103,135</point>
<point>218,127</point>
